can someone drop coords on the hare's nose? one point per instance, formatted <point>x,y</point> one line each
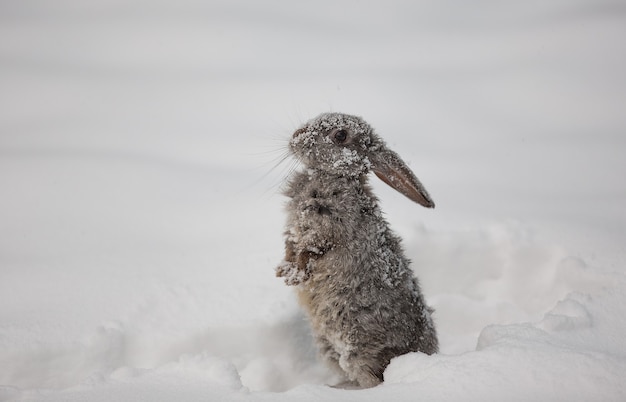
<point>298,132</point>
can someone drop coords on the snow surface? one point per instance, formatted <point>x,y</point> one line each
<point>141,221</point>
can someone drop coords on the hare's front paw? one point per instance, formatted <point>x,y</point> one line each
<point>284,268</point>
<point>291,273</point>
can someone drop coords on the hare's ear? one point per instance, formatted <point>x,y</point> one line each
<point>392,170</point>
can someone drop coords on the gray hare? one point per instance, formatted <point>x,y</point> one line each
<point>351,275</point>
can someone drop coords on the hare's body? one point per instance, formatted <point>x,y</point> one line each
<point>353,279</point>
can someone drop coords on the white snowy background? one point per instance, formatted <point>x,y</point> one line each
<point>141,216</point>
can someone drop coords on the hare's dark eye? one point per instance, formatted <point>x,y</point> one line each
<point>340,136</point>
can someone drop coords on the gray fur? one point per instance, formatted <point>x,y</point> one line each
<point>352,277</point>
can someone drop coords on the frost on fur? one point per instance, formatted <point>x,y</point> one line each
<point>356,285</point>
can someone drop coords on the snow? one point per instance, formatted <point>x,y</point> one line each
<point>141,219</point>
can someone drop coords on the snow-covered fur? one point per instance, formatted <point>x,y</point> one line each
<point>351,274</point>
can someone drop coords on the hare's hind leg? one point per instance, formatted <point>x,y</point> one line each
<point>330,356</point>
<point>363,370</point>
<point>366,378</point>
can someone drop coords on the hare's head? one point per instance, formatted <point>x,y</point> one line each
<point>345,145</point>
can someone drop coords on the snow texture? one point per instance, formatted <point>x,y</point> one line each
<point>141,217</point>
